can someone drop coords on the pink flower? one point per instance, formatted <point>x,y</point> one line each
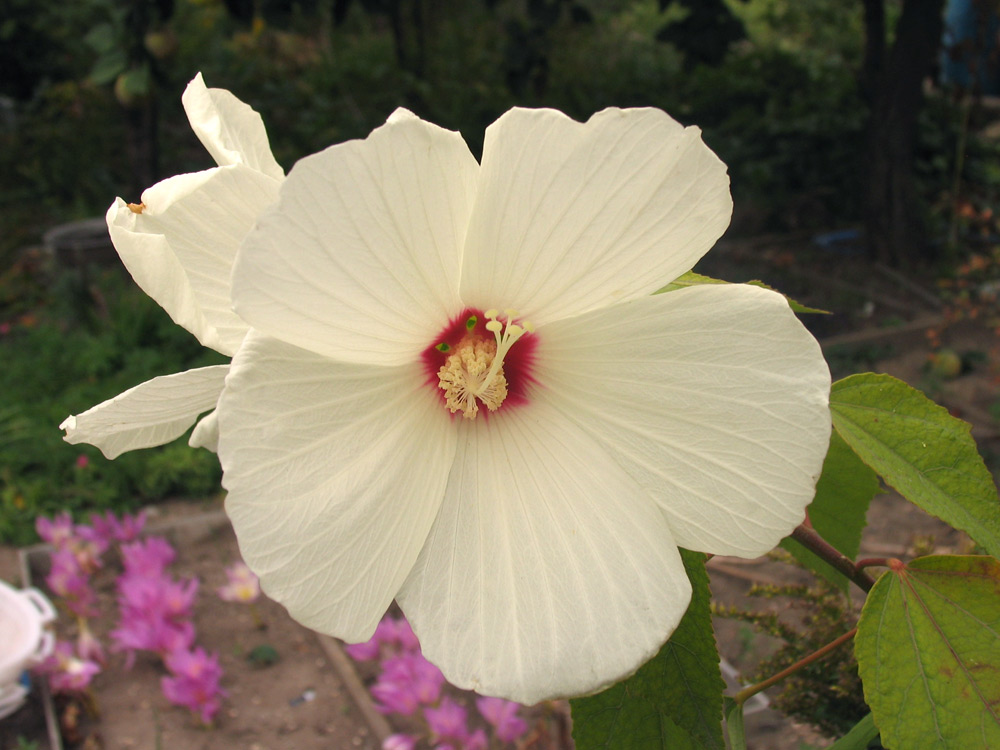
<point>56,531</point>
<point>82,461</point>
<point>88,546</point>
<point>242,585</point>
<point>387,638</point>
<point>477,741</point>
<point>152,634</point>
<point>391,635</point>
<point>67,672</point>
<point>393,697</point>
<point>147,557</point>
<point>502,716</point>
<point>155,614</point>
<point>145,597</point>
<point>88,646</point>
<point>366,651</point>
<point>423,679</point>
<point>194,683</point>
<point>110,528</point>
<point>403,634</point>
<point>399,742</point>
<point>70,582</point>
<point>448,721</point>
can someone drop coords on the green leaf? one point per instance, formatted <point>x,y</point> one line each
<point>674,700</point>
<point>263,655</point>
<point>921,450</point>
<point>859,737</point>
<point>689,279</point>
<point>695,279</point>
<point>734,725</point>
<point>928,649</point>
<point>844,490</point>
<point>101,38</point>
<point>108,66</point>
<point>137,81</point>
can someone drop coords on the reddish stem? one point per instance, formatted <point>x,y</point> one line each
<point>746,693</point>
<point>829,554</point>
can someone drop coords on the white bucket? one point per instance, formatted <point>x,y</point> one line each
<point>24,641</point>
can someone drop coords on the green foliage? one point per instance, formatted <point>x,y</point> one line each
<point>263,655</point>
<point>838,512</point>
<point>674,700</point>
<point>921,450</point>
<point>91,342</point>
<point>826,693</point>
<point>860,737</point>
<point>735,729</point>
<point>928,651</point>
<point>820,32</point>
<point>690,278</point>
<point>788,131</point>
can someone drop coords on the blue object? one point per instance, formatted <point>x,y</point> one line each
<point>844,241</point>
<point>969,43</point>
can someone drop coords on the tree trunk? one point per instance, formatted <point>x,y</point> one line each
<point>893,213</point>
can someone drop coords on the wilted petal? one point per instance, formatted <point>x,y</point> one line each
<point>152,413</point>
<point>360,258</point>
<point>180,247</point>
<point>548,571</point>
<point>335,473</point>
<point>574,216</point>
<point>713,398</point>
<point>231,130</point>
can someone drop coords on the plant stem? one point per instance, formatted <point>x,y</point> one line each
<point>746,693</point>
<point>870,562</point>
<point>819,546</point>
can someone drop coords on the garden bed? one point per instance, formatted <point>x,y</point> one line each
<point>299,701</point>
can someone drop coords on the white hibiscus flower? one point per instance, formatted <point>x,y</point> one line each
<point>179,244</point>
<point>520,489</point>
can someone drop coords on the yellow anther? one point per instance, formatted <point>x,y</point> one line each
<point>465,379</point>
<point>473,372</point>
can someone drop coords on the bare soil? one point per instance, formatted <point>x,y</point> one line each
<point>298,702</point>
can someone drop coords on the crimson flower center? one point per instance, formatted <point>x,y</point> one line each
<point>475,362</point>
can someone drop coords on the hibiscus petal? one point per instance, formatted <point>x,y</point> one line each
<point>573,216</point>
<point>180,247</point>
<point>206,433</point>
<point>152,413</point>
<point>360,258</point>
<point>713,398</point>
<point>231,130</point>
<point>548,572</point>
<point>335,472</point>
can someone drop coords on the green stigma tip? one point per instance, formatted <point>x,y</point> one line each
<point>471,322</point>
<point>443,347</point>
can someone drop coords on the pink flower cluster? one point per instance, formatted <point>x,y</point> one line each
<point>155,611</point>
<point>194,682</point>
<point>410,685</point>
<point>67,670</point>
